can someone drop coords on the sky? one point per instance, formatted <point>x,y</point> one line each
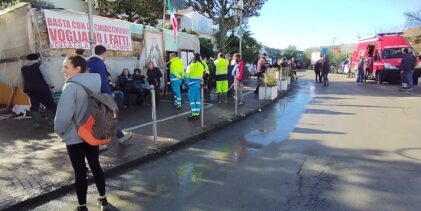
<point>314,23</point>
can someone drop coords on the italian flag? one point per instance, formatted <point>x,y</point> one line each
<point>173,20</point>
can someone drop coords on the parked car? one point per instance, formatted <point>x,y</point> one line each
<point>343,67</point>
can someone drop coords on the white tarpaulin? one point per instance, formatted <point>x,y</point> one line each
<point>315,56</point>
<point>71,30</point>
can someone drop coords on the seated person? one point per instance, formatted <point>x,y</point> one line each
<point>141,83</point>
<point>127,85</point>
<point>117,94</point>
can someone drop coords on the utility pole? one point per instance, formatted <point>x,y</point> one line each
<point>92,41</point>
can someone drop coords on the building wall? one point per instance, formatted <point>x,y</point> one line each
<point>414,37</point>
<point>28,33</point>
<point>198,23</point>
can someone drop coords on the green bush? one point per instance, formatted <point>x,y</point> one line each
<point>270,78</point>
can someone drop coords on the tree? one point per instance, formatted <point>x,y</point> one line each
<point>206,47</point>
<point>336,58</point>
<point>138,11</point>
<point>413,19</point>
<point>251,47</point>
<point>220,11</point>
<point>307,57</point>
<point>290,52</point>
<point>274,52</point>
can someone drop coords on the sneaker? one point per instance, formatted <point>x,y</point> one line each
<point>81,208</point>
<point>126,137</point>
<point>103,203</point>
<point>103,147</point>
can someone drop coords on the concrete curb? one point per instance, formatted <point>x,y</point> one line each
<point>166,150</point>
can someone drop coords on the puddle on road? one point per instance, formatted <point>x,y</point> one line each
<point>279,120</point>
<point>272,126</point>
<point>207,162</point>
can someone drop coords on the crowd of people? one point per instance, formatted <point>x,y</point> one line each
<point>221,74</point>
<point>364,70</point>
<point>87,76</point>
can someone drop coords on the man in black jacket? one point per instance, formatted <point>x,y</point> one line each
<point>37,84</point>
<point>317,71</point>
<point>407,70</point>
<point>325,72</point>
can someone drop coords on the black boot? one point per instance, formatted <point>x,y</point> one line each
<point>50,116</point>
<point>36,117</point>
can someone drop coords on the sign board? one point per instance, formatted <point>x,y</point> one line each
<point>68,30</point>
<point>324,52</point>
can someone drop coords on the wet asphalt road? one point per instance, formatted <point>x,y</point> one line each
<point>345,147</point>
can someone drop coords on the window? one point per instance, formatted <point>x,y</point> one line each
<point>393,53</point>
<point>370,50</point>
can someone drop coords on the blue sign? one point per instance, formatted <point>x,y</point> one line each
<point>324,52</point>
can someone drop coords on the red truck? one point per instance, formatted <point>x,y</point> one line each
<point>383,54</point>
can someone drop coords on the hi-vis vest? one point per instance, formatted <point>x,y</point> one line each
<point>177,67</point>
<point>206,67</point>
<point>195,71</point>
<point>221,66</point>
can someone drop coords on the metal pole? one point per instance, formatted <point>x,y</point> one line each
<point>202,107</point>
<point>163,46</point>
<point>241,34</point>
<point>236,95</point>
<point>265,85</point>
<point>154,128</point>
<point>92,41</point>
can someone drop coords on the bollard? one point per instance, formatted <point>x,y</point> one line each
<point>154,128</point>
<point>202,107</point>
<point>265,85</point>
<point>236,96</point>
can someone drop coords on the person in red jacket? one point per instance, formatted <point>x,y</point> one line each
<point>237,72</point>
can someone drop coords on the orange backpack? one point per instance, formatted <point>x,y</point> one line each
<point>99,123</point>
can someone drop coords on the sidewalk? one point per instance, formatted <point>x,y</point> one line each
<point>35,164</point>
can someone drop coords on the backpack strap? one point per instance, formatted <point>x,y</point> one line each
<point>89,92</point>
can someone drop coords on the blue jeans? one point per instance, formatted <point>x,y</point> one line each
<point>409,79</point>
<point>325,79</point>
<point>118,97</point>
<point>360,77</point>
